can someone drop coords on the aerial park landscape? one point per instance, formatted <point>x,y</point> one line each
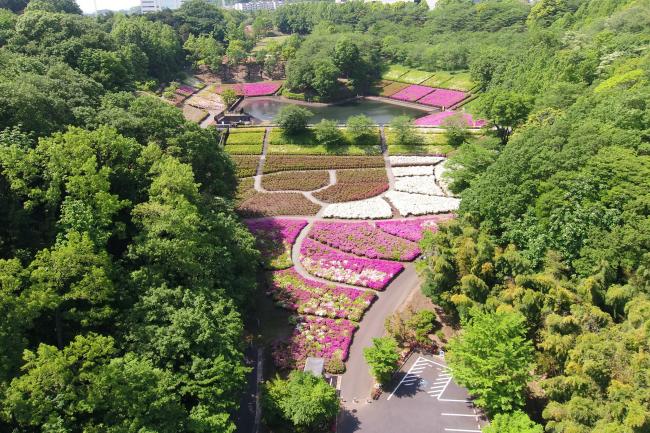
<point>325,217</point>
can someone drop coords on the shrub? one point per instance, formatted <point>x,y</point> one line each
<point>360,127</point>
<point>515,422</point>
<point>293,119</point>
<point>404,132</point>
<point>328,134</point>
<point>382,358</point>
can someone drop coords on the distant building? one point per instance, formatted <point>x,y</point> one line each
<point>158,5</point>
<point>257,6</point>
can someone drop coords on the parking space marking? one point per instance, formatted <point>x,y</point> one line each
<point>411,377</point>
<point>438,388</point>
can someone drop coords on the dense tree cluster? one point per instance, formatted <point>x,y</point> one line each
<point>554,220</point>
<point>124,272</point>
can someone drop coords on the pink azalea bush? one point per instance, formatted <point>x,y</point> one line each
<point>185,90</point>
<point>363,239</point>
<point>320,337</point>
<point>333,265</point>
<point>412,93</point>
<point>437,119</point>
<point>413,230</point>
<point>274,238</point>
<point>263,88</point>
<point>443,98</point>
<point>294,292</point>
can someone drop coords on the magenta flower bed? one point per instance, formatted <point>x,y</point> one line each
<point>185,90</point>
<point>443,98</point>
<point>412,93</point>
<point>315,336</point>
<point>274,238</point>
<point>364,239</point>
<point>330,264</point>
<point>413,230</point>
<point>437,119</point>
<point>293,292</point>
<point>253,89</point>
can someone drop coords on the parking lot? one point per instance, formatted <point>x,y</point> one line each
<point>423,398</point>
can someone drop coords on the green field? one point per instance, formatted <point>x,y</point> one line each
<point>394,72</point>
<point>246,136</point>
<point>449,80</point>
<point>243,149</point>
<point>319,149</point>
<point>432,149</point>
<point>415,77</point>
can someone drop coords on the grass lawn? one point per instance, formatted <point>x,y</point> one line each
<point>415,77</point>
<point>262,43</point>
<point>392,88</point>
<point>431,149</point>
<point>246,136</point>
<point>394,72</point>
<point>439,79</point>
<point>451,80</point>
<point>305,144</point>
<point>471,107</point>
<point>243,149</point>
<point>427,138</point>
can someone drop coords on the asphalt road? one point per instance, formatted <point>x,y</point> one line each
<point>356,381</point>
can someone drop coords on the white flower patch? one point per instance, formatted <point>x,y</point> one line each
<point>420,204</point>
<point>371,208</point>
<point>418,184</point>
<point>439,170</point>
<point>415,160</point>
<point>415,170</point>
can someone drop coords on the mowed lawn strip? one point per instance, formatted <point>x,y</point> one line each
<point>306,144</point>
<point>354,185</point>
<point>295,180</point>
<point>415,77</point>
<point>276,163</point>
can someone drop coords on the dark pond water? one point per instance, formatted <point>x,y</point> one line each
<point>265,110</point>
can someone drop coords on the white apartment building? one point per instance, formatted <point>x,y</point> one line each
<point>257,6</point>
<point>158,5</point>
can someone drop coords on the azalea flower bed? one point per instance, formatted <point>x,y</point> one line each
<point>275,163</point>
<point>263,88</point>
<point>319,337</point>
<point>372,208</point>
<point>295,180</point>
<point>185,90</point>
<point>330,264</point>
<point>418,184</point>
<point>415,170</point>
<point>412,93</point>
<point>413,230</point>
<point>354,185</point>
<point>274,238</point>
<point>246,165</point>
<point>443,98</point>
<point>293,292</point>
<point>396,161</point>
<point>420,204</point>
<point>263,204</point>
<point>363,239</point>
<point>438,119</point>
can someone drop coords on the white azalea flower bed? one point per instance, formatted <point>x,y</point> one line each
<point>420,204</point>
<point>418,184</point>
<point>372,208</point>
<point>415,160</point>
<point>439,170</point>
<point>415,170</point>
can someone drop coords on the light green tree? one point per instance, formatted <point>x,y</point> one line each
<point>327,133</point>
<point>382,358</point>
<point>293,119</point>
<point>515,422</point>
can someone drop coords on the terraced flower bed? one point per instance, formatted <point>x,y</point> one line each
<point>275,204</point>
<point>459,80</point>
<point>392,88</point>
<point>415,76</point>
<point>354,185</point>
<point>245,189</point>
<point>246,165</point>
<point>370,208</point>
<point>320,337</point>
<point>276,163</point>
<point>418,184</point>
<point>438,119</point>
<point>333,265</point>
<point>420,204</point>
<point>274,238</point>
<point>363,239</point>
<point>443,98</point>
<point>394,72</point>
<point>263,88</point>
<point>245,136</point>
<point>293,292</point>
<point>413,230</point>
<point>412,93</point>
<point>295,180</point>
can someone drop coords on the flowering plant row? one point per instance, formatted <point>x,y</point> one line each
<point>420,204</point>
<point>185,90</point>
<point>354,185</point>
<point>274,238</point>
<point>412,93</point>
<point>443,98</point>
<point>438,119</point>
<point>293,292</point>
<point>372,208</point>
<point>413,229</point>
<point>363,239</point>
<point>275,163</point>
<point>328,263</point>
<point>295,180</point>
<point>402,160</point>
<point>413,170</point>
<point>252,89</point>
<point>274,204</point>
<point>315,336</point>
<point>418,184</point>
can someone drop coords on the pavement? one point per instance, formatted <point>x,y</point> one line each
<point>423,398</point>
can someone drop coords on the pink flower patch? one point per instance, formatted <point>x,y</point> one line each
<point>443,98</point>
<point>263,88</point>
<point>413,230</point>
<point>412,93</point>
<point>437,119</point>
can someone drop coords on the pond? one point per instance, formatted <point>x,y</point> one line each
<point>266,109</point>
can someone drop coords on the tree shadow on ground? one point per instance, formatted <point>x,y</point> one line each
<point>348,421</point>
<point>403,389</point>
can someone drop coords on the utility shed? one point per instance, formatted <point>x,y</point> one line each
<point>315,366</point>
